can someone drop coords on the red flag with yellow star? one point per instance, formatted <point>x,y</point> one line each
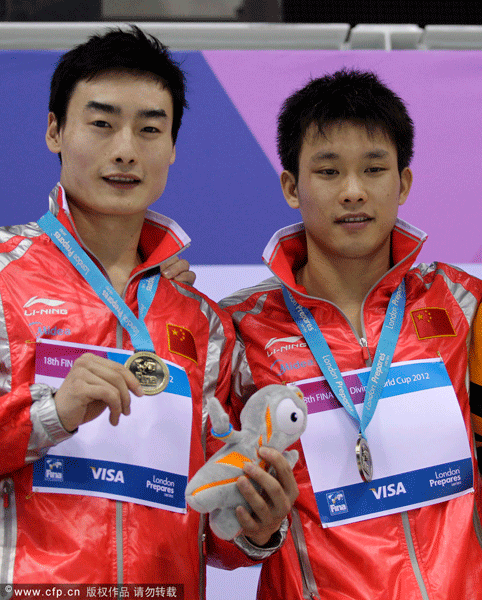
<point>181,341</point>
<point>432,322</point>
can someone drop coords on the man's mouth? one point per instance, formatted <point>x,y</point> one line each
<point>121,179</point>
<point>354,219</point>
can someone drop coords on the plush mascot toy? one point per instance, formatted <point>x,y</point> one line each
<point>274,416</point>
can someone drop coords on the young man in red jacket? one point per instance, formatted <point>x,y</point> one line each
<point>85,502</point>
<point>389,505</point>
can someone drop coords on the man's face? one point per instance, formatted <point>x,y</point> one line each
<point>348,191</point>
<point>116,144</point>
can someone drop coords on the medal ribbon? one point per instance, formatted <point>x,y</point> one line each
<point>67,244</point>
<point>326,361</point>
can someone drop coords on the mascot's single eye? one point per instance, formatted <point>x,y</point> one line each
<point>289,418</point>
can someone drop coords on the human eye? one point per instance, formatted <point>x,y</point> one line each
<point>150,129</point>
<point>375,170</point>
<point>327,172</point>
<point>100,123</point>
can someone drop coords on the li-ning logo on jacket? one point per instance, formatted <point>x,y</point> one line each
<point>52,304</point>
<point>288,344</point>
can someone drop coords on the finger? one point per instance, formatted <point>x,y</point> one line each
<point>114,373</point>
<point>261,524</point>
<point>188,277</point>
<point>178,269</point>
<point>105,383</point>
<point>246,521</point>
<point>118,383</point>
<point>110,396</point>
<point>169,262</point>
<point>270,504</point>
<point>284,472</point>
<point>94,382</point>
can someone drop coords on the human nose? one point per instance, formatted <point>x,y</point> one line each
<point>353,190</point>
<point>124,150</point>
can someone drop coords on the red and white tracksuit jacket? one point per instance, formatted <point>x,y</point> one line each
<point>59,538</point>
<point>430,553</point>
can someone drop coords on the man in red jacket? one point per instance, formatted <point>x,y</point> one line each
<point>117,345</point>
<point>389,505</point>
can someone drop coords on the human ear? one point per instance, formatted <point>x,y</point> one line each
<point>406,178</point>
<point>290,188</point>
<point>52,136</point>
<point>173,155</point>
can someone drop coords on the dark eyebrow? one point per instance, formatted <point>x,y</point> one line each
<point>153,113</point>
<point>378,153</point>
<point>324,156</point>
<point>107,108</point>
<point>148,113</point>
<point>372,154</point>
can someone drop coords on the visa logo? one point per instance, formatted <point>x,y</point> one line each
<point>107,474</point>
<point>386,491</point>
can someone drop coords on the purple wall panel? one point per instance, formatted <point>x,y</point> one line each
<point>443,91</point>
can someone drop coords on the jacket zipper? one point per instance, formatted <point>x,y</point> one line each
<point>9,531</point>
<point>310,589</point>
<point>119,532</point>
<point>202,557</point>
<point>413,556</point>
<point>404,516</point>
<point>365,351</point>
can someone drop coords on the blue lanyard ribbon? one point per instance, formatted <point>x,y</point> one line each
<point>326,361</point>
<point>67,244</point>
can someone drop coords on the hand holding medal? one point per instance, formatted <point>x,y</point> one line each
<point>93,384</point>
<point>150,371</point>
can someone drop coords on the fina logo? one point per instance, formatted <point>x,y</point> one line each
<point>104,474</point>
<point>336,502</point>
<point>54,469</point>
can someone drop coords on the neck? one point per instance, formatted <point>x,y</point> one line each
<point>113,240</point>
<point>343,281</point>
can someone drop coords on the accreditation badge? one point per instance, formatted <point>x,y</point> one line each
<point>144,459</point>
<point>419,450</point>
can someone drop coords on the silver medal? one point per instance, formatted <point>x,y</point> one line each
<point>364,459</point>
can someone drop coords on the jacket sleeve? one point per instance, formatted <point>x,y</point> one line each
<point>476,383</point>
<point>220,553</point>
<point>240,552</point>
<point>29,424</point>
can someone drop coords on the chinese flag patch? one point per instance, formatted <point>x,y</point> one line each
<point>181,341</point>
<point>432,323</point>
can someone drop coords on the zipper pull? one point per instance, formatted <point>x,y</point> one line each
<point>6,494</point>
<point>365,351</point>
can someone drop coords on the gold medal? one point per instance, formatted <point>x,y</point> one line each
<point>364,459</point>
<point>151,371</point>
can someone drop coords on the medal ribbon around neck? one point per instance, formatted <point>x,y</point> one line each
<point>151,371</point>
<point>326,361</point>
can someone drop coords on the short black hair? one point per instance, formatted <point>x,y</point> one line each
<point>346,95</point>
<point>118,50</point>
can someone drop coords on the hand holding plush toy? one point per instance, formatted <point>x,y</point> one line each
<point>274,416</point>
